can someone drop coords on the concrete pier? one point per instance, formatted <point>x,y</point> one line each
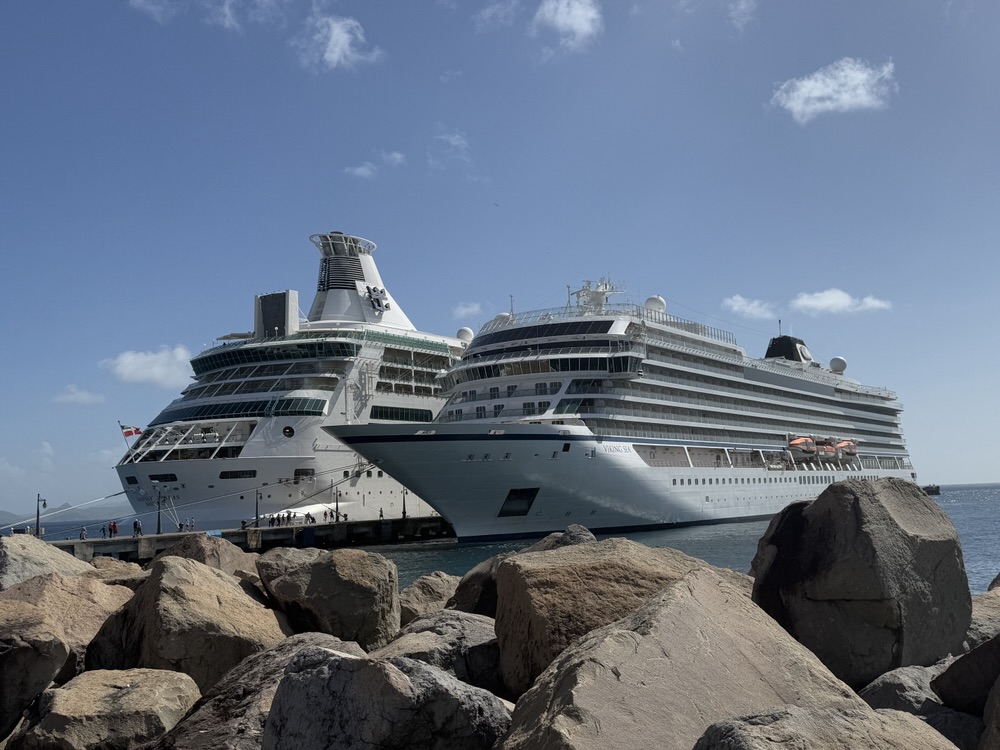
<point>141,549</point>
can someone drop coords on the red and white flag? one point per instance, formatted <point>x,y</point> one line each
<point>130,431</point>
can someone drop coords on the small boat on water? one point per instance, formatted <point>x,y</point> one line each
<point>932,489</point>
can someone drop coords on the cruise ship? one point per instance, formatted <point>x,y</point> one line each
<point>623,417</point>
<point>244,440</point>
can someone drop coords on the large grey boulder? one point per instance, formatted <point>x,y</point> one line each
<point>116,572</point>
<point>985,619</point>
<point>546,600</point>
<point>333,700</point>
<point>190,618</point>
<point>212,551</point>
<point>869,576</point>
<point>76,606</point>
<point>429,593</point>
<point>107,710</point>
<point>822,729</point>
<point>32,653</point>
<point>697,652</point>
<point>349,593</point>
<point>23,557</point>
<point>966,683</point>
<point>477,591</point>
<point>990,739</point>
<point>232,714</point>
<point>460,643</point>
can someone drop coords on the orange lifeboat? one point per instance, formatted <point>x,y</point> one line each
<point>847,448</point>
<point>802,446</point>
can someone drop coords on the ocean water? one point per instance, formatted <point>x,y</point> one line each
<point>973,510</point>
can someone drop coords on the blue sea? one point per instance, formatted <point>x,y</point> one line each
<point>973,508</point>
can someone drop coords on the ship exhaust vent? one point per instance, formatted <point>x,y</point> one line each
<point>339,273</point>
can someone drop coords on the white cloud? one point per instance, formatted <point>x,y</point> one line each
<point>160,11</point>
<point>496,15</point>
<point>11,472</point>
<point>741,12</point>
<point>749,308</point>
<point>46,457</point>
<point>330,42</point>
<point>836,302</point>
<point>73,395</point>
<point>366,170</point>
<point>449,76</point>
<point>844,86</point>
<point>576,21</point>
<point>393,159</point>
<point>449,148</point>
<point>167,368</point>
<point>465,310</point>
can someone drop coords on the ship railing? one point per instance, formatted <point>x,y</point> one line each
<point>611,309</point>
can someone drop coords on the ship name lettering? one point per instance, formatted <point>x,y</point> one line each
<point>617,449</point>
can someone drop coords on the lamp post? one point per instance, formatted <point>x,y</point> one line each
<point>158,498</point>
<point>404,502</point>
<point>337,506</point>
<point>256,509</point>
<point>40,503</point>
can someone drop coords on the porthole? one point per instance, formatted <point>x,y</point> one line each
<point>288,432</point>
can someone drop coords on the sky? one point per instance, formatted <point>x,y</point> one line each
<point>829,165</point>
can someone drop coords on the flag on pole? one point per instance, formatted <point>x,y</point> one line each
<point>130,431</point>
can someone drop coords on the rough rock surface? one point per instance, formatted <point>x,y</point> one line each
<point>985,619</point>
<point>966,683</point>
<point>116,572</point>
<point>190,618</point>
<point>869,576</point>
<point>107,710</point>
<point>332,700</point>
<point>231,716</point>
<point>477,591</point>
<point>990,739</point>
<point>349,593</point>
<point>427,594</point>
<point>77,607</point>
<point>697,652</point>
<point>32,653</point>
<point>23,557</point>
<point>822,729</point>
<point>212,551</point>
<point>548,599</point>
<point>460,643</point>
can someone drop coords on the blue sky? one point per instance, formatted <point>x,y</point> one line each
<point>832,165</point>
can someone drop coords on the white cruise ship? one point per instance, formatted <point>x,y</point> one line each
<point>244,439</point>
<point>622,417</point>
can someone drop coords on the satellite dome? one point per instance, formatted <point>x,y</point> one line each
<point>465,334</point>
<point>656,303</point>
<point>838,365</point>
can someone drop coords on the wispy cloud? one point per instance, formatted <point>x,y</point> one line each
<point>836,302</point>
<point>497,15</point>
<point>160,11</point>
<point>844,86</point>
<point>450,76</point>
<point>367,170</point>
<point>231,15</point>
<point>741,12</point>
<point>750,308</point>
<point>464,310</point>
<point>328,42</point>
<point>168,368</point>
<point>577,22</point>
<point>449,147</point>
<point>46,456</point>
<point>73,395</point>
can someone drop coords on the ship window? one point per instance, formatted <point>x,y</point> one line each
<point>511,390</point>
<point>305,473</point>
<point>497,408</point>
<point>368,474</point>
<point>565,447</point>
<point>554,387</point>
<point>401,414</point>
<point>240,474</point>
<point>541,389</point>
<point>480,412</point>
<point>518,502</point>
<point>163,477</point>
<point>131,480</point>
<point>494,391</point>
<point>528,407</point>
<point>347,474</point>
<point>543,405</point>
<point>380,474</point>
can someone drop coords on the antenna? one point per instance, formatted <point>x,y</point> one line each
<point>511,305</point>
<point>779,326</point>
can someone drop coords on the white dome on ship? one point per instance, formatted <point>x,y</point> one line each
<point>502,316</point>
<point>465,334</point>
<point>656,303</point>
<point>838,365</point>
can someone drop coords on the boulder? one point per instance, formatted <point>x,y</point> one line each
<point>869,576</point>
<point>697,652</point>
<point>966,683</point>
<point>822,729</point>
<point>232,714</point>
<point>333,700</point>
<point>76,606</point>
<point>212,551</point>
<point>990,739</point>
<point>23,557</point>
<point>477,591</point>
<point>349,593</point>
<point>190,618</point>
<point>115,572</point>
<point>548,599</point>
<point>32,653</point>
<point>985,619</point>
<point>460,643</point>
<point>107,710</point>
<point>427,594</point>
<point>908,689</point>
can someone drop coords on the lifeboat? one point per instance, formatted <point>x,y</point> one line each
<point>826,452</point>
<point>848,449</point>
<point>802,446</point>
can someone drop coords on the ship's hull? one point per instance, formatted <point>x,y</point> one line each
<point>493,480</point>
